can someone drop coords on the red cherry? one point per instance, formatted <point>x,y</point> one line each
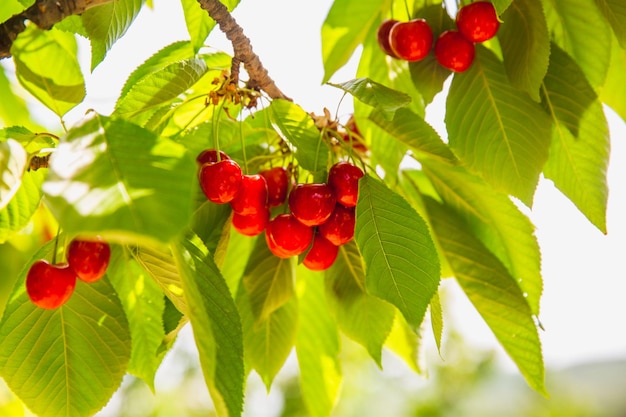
<point>382,35</point>
<point>311,204</point>
<point>210,155</point>
<point>454,52</point>
<point>251,225</point>
<point>339,228</point>
<point>411,40</point>
<point>322,254</point>
<point>478,21</point>
<point>343,178</point>
<point>277,179</point>
<point>220,181</point>
<point>50,286</point>
<point>286,236</point>
<point>89,258</point>
<point>251,197</point>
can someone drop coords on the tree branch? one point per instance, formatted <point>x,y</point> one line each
<point>242,49</point>
<point>45,14</point>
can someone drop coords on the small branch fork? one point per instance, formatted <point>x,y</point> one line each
<point>46,13</point>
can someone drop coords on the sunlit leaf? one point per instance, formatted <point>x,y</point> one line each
<point>615,13</point>
<point>579,154</point>
<point>216,325</point>
<point>317,346</point>
<point>107,23</point>
<point>383,99</point>
<point>143,304</point>
<point>525,44</point>
<point>160,87</point>
<point>47,66</point>
<point>298,128</point>
<point>268,343</point>
<point>496,221</point>
<point>497,130</point>
<point>8,8</point>
<point>614,91</point>
<point>401,261</point>
<point>211,222</point>
<point>412,130</point>
<point>492,291</point>
<point>341,35</point>
<point>66,361</point>
<point>13,108</point>
<point>13,160</point>
<point>32,142</point>
<point>581,30</point>
<point>436,319</point>
<point>362,317</point>
<point>269,280</point>
<point>406,343</point>
<point>16,215</point>
<point>112,176</point>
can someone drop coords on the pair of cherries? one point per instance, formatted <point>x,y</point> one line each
<point>454,49</point>
<point>49,286</point>
<point>321,215</point>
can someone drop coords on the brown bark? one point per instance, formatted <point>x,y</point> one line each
<point>242,49</point>
<point>45,14</point>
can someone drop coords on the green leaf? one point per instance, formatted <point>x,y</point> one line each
<point>436,319</point>
<point>13,108</point>
<point>405,342</point>
<point>427,74</point>
<point>160,87</point>
<point>362,317</point>
<point>317,346</point>
<point>170,54</point>
<point>341,35</point>
<point>501,5</point>
<point>8,8</point>
<point>401,262</point>
<point>268,280</point>
<point>525,44</point>
<point>615,12</point>
<point>496,221</point>
<point>216,325</point>
<point>107,23</point>
<point>497,130</point>
<point>212,224</point>
<point>112,176</point>
<point>579,154</point>
<point>199,23</point>
<point>297,126</point>
<point>412,130</point>
<point>143,303</point>
<point>16,215</point>
<point>13,160</point>
<point>32,142</point>
<point>268,343</point>
<point>493,292</point>
<point>581,30</point>
<point>59,87</point>
<point>383,99</point>
<point>66,361</point>
<point>614,91</point>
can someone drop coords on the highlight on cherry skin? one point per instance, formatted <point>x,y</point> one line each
<point>478,21</point>
<point>412,40</point>
<point>48,285</point>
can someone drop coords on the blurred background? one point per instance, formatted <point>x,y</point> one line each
<point>583,308</point>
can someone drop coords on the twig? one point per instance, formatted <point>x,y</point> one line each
<point>45,14</point>
<point>242,49</point>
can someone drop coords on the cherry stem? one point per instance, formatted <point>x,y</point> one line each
<point>408,10</point>
<point>56,246</point>
<point>243,146</point>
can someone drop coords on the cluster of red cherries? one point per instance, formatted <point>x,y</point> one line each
<point>321,216</point>
<point>454,49</point>
<point>49,285</point>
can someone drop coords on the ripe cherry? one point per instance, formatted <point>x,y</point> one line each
<point>454,52</point>
<point>343,178</point>
<point>251,225</point>
<point>220,181</point>
<point>251,197</point>
<point>339,228</point>
<point>89,258</point>
<point>322,254</point>
<point>478,21</point>
<point>286,236</point>
<point>411,40</point>
<point>382,35</point>
<point>210,155</point>
<point>277,179</point>
<point>50,286</point>
<point>311,204</point>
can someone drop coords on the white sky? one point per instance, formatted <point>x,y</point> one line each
<point>583,308</point>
